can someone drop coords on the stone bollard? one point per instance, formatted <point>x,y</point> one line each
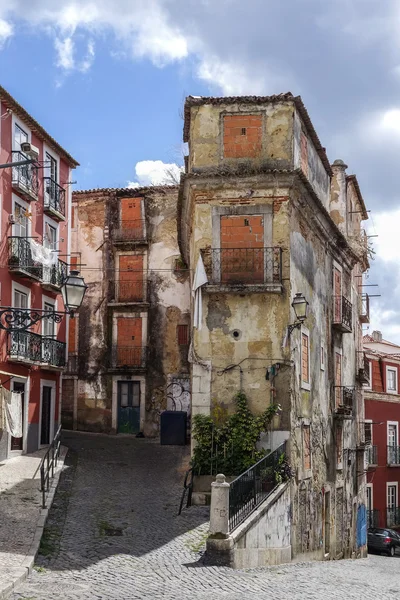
<point>219,510</point>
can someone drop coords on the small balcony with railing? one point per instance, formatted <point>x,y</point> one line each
<point>128,358</point>
<point>364,308</point>
<point>31,348</point>
<point>392,516</point>
<point>54,199</point>
<point>129,232</point>
<point>30,262</point>
<point>25,178</point>
<point>244,269</point>
<point>132,291</point>
<point>343,401</point>
<point>363,375</point>
<point>371,455</point>
<point>393,456</point>
<point>342,314</point>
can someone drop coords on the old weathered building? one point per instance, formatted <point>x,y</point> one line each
<point>271,218</point>
<point>128,347</point>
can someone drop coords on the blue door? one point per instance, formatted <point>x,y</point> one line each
<point>361,526</point>
<point>128,406</point>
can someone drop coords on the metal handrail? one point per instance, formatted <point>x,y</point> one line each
<point>245,266</point>
<point>48,465</point>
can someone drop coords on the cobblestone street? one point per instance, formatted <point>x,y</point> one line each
<point>113,533</point>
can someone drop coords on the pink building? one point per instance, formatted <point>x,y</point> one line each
<point>35,211</point>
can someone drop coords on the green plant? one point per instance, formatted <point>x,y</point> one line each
<point>229,445</point>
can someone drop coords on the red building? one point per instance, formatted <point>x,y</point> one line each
<point>382,419</point>
<point>35,211</point>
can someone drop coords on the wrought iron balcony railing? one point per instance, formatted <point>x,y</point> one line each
<point>131,290</point>
<point>129,231</point>
<point>364,308</point>
<point>20,258</point>
<point>342,314</point>
<point>128,357</point>
<point>393,455</point>
<point>245,266</point>
<point>392,516</point>
<point>372,517</point>
<point>363,368</point>
<point>54,197</point>
<point>371,454</point>
<point>25,177</point>
<point>344,400</point>
<point>55,275</point>
<point>26,346</point>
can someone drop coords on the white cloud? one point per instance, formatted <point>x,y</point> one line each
<point>155,172</point>
<point>65,53</point>
<point>87,62</point>
<point>232,79</point>
<point>6,31</point>
<point>386,226</point>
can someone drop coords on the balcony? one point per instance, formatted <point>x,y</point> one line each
<point>128,357</point>
<point>393,456</point>
<point>129,232</point>
<point>239,269</point>
<point>29,348</point>
<point>129,292</point>
<point>364,308</point>
<point>372,518</point>
<point>363,369</point>
<point>392,516</point>
<point>342,314</point>
<point>25,179</point>
<point>21,262</point>
<point>54,199</point>
<point>371,455</point>
<point>344,400</point>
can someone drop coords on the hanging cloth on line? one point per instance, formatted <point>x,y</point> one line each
<point>12,412</point>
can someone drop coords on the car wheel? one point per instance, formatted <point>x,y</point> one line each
<point>392,551</point>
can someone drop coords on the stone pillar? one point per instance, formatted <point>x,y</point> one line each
<point>338,200</point>
<point>219,511</point>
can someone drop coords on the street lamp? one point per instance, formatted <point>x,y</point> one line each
<point>20,319</point>
<point>300,307</point>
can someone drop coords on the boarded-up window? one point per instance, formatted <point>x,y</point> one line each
<point>183,335</point>
<point>305,358</point>
<point>242,136</point>
<point>306,447</point>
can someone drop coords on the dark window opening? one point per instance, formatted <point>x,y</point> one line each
<point>183,335</point>
<point>243,130</point>
<point>246,222</point>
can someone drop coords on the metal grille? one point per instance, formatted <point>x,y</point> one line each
<point>183,335</point>
<point>343,313</point>
<point>25,177</point>
<point>372,455</point>
<point>393,455</point>
<point>53,352</point>
<point>33,347</point>
<point>129,231</point>
<point>54,196</point>
<point>393,516</point>
<point>56,274</point>
<point>344,397</point>
<point>247,266</point>
<point>20,257</point>
<point>129,357</point>
<point>253,486</point>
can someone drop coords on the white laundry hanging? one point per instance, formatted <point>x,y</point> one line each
<point>12,406</point>
<point>200,279</point>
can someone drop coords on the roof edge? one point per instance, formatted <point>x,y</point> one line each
<point>354,180</point>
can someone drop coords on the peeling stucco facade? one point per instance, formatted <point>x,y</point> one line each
<point>126,341</point>
<point>308,240</point>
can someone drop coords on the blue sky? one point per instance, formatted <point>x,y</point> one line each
<point>108,80</point>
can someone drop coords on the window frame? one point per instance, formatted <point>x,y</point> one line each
<point>16,200</point>
<point>305,385</point>
<point>179,328</point>
<point>392,484</point>
<point>396,374</point>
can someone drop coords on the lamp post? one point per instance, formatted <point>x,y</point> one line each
<point>300,307</point>
<point>20,319</point>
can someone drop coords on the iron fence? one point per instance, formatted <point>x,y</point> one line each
<point>344,397</point>
<point>56,274</point>
<point>393,455</point>
<point>392,516</point>
<point>343,313</point>
<point>246,266</point>
<point>129,357</point>
<point>129,231</point>
<point>25,177</point>
<point>53,352</point>
<point>372,455</point>
<point>48,464</point>
<point>252,487</point>
<point>20,257</point>
<point>54,196</point>
<point>131,290</point>
<point>372,518</point>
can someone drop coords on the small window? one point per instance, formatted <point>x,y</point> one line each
<point>246,223</point>
<point>391,380</point>
<point>305,359</point>
<point>183,335</point>
<point>243,132</point>
<point>306,448</point>
<point>322,357</point>
<point>368,433</point>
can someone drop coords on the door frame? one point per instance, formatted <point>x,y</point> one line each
<point>114,411</point>
<point>52,384</point>
<point>26,382</point>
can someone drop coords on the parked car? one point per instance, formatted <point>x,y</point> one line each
<point>383,540</point>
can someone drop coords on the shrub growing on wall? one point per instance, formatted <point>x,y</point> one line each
<point>229,446</point>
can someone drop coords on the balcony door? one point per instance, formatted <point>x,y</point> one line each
<point>393,443</point>
<point>51,167</point>
<point>391,504</point>
<point>20,339</point>
<point>47,416</point>
<point>21,226</point>
<point>128,406</point>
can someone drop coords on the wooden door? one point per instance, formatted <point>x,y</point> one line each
<point>128,406</point>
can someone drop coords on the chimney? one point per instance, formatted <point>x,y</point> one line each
<point>377,336</point>
<point>338,200</point>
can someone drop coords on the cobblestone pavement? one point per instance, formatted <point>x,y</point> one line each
<point>129,486</point>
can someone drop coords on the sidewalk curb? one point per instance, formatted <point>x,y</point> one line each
<point>26,566</point>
